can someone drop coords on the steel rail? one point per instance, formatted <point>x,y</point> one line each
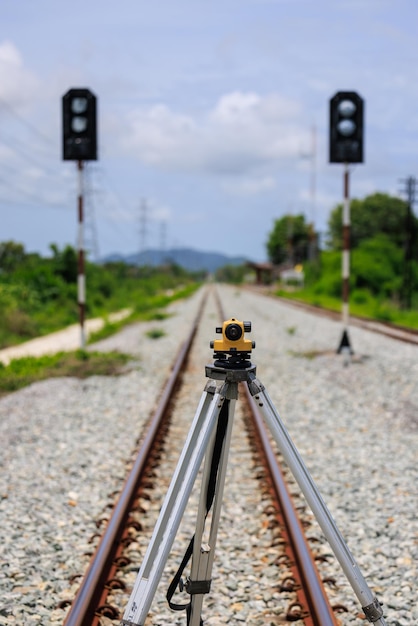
<point>314,603</point>
<point>91,596</point>
<point>93,587</point>
<point>315,607</point>
<point>394,331</point>
<point>388,329</point>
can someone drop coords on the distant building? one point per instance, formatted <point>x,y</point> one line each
<point>265,273</point>
<point>293,275</point>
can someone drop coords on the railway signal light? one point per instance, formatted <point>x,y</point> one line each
<point>346,128</point>
<point>79,139</point>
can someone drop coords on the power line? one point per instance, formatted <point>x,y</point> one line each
<point>22,120</point>
<point>101,173</point>
<point>143,226</point>
<point>91,239</point>
<point>13,145</point>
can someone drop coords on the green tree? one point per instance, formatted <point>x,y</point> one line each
<point>289,240</point>
<point>12,255</point>
<point>39,295</point>
<point>376,214</point>
<point>376,265</point>
<point>65,263</point>
<point>231,273</point>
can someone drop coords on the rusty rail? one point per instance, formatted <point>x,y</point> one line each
<point>90,602</point>
<point>388,329</point>
<point>92,591</point>
<point>314,607</point>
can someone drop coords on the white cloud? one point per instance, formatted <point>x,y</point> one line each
<point>34,173</point>
<point>249,186</point>
<point>17,84</point>
<point>9,54</point>
<point>6,153</point>
<point>236,108</point>
<point>243,132</point>
<point>160,212</point>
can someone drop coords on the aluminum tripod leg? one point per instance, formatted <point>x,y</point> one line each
<point>174,505</point>
<point>203,553</point>
<point>369,602</point>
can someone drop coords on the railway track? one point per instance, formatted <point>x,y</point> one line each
<point>299,594</point>
<point>408,335</point>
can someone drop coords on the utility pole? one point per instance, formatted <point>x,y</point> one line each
<point>143,227</point>
<point>163,239</point>
<point>91,239</point>
<point>313,243</point>
<point>410,189</point>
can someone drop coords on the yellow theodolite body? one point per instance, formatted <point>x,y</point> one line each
<point>233,337</point>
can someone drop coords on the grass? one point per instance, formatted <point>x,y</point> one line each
<point>81,364</point>
<point>110,328</point>
<point>309,354</point>
<point>148,310</point>
<point>155,333</point>
<point>24,316</point>
<point>369,307</point>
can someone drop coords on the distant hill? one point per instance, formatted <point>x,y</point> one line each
<point>187,258</point>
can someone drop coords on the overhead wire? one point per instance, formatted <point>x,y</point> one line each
<point>15,146</point>
<point>102,173</point>
<point>37,157</point>
<point>22,120</point>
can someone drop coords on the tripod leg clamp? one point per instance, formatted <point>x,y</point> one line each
<point>373,611</point>
<point>194,587</point>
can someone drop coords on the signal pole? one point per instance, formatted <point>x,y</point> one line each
<point>81,282</point>
<point>79,143</point>
<point>346,146</point>
<point>345,345</point>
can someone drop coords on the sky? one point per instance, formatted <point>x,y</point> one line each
<point>213,117</point>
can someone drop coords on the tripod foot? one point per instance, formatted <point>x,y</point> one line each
<point>345,344</point>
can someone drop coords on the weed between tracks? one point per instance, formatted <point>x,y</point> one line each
<point>310,354</point>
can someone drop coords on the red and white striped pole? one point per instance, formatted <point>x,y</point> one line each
<point>345,345</point>
<point>81,282</point>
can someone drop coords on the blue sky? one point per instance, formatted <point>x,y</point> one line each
<point>213,115</point>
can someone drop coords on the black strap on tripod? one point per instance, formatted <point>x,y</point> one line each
<point>216,456</point>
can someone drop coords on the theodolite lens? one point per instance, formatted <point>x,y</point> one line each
<point>233,332</point>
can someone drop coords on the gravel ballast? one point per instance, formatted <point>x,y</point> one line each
<point>356,428</point>
<point>65,444</point>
